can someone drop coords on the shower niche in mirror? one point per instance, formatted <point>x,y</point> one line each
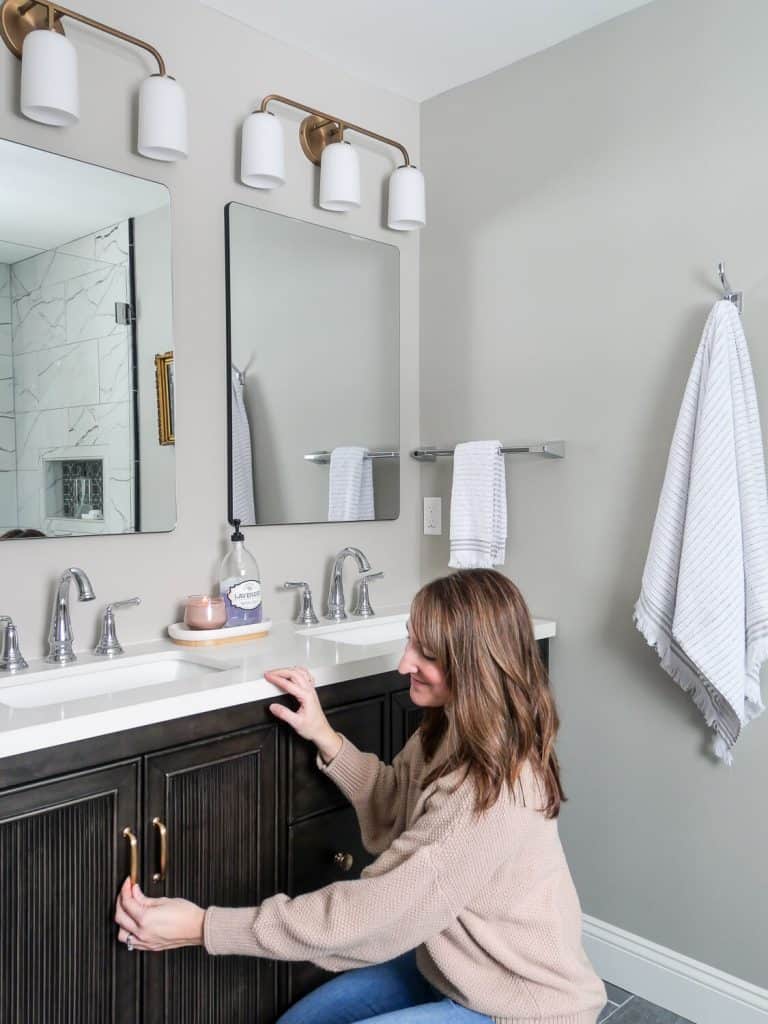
<point>85,307</point>
<point>313,351</point>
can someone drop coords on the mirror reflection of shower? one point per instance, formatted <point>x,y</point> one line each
<point>85,304</point>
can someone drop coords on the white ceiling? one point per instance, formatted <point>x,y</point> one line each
<point>47,200</point>
<point>419,48</point>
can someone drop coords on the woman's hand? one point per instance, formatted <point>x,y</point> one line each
<point>157,924</point>
<point>309,719</point>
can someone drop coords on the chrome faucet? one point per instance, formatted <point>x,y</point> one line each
<point>11,658</point>
<point>306,616</point>
<point>60,637</point>
<point>336,610</point>
<point>363,607</point>
<point>109,646</point>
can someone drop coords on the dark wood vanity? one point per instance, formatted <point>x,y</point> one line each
<point>246,814</point>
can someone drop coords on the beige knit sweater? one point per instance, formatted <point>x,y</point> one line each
<point>489,902</point>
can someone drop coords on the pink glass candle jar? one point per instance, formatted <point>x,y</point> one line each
<point>203,612</point>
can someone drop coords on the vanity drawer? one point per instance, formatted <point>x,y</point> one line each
<point>325,849</point>
<point>316,848</point>
<point>309,790</point>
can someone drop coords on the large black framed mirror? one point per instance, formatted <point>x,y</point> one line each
<point>313,356</point>
<point>85,306</point>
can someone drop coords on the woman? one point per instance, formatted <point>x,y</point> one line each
<point>469,913</point>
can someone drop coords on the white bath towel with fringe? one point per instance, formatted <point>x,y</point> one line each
<point>704,597</point>
<point>478,506</point>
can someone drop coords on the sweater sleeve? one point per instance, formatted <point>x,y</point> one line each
<point>411,892</point>
<point>376,790</point>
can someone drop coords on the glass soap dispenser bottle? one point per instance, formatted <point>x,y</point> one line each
<point>240,583</point>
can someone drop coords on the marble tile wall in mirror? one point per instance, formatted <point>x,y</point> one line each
<point>314,368</point>
<point>85,306</point>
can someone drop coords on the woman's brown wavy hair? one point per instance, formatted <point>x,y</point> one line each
<point>501,712</point>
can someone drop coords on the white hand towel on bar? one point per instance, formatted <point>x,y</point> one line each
<point>243,499</point>
<point>478,506</point>
<point>350,485</point>
<point>704,597</point>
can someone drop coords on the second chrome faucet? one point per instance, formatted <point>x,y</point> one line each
<point>336,602</point>
<point>336,610</point>
<point>60,636</point>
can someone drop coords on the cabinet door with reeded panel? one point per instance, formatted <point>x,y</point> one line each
<point>210,819</point>
<point>62,859</point>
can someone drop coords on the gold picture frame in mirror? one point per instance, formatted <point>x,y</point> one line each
<point>164,386</point>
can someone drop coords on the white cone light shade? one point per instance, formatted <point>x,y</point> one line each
<point>262,154</point>
<point>49,92</point>
<point>162,119</point>
<point>339,178</point>
<point>407,201</point>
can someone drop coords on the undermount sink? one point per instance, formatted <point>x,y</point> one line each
<point>77,682</point>
<point>362,631</point>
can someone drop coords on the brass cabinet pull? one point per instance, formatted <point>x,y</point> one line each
<point>343,861</point>
<point>159,876</point>
<point>134,843</point>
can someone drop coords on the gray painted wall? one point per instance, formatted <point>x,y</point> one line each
<point>579,202</point>
<point>226,69</point>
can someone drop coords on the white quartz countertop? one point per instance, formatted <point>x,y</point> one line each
<point>239,680</point>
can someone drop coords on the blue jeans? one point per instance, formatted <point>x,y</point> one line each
<point>390,993</point>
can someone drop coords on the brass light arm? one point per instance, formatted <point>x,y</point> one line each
<point>56,11</point>
<point>321,121</point>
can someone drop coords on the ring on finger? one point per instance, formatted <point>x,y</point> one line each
<point>129,943</point>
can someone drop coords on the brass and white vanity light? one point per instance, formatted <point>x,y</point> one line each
<point>262,162</point>
<point>339,177</point>
<point>262,156</point>
<point>406,199</point>
<point>32,30</point>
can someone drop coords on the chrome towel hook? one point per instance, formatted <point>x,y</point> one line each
<point>737,298</point>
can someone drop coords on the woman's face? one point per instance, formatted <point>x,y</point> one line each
<point>428,685</point>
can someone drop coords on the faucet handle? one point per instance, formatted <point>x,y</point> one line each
<point>363,607</point>
<point>11,658</point>
<point>108,645</point>
<point>306,616</point>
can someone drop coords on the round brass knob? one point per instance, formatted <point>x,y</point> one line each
<point>343,861</point>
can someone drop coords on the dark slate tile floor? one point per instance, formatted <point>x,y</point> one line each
<point>624,1008</point>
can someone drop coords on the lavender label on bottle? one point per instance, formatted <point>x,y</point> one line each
<point>245,595</point>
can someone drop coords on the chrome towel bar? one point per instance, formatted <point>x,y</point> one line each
<point>325,457</point>
<point>552,449</point>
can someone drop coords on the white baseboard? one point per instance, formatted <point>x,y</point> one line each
<point>693,990</point>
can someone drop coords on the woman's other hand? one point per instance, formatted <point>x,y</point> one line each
<point>157,924</point>
<point>308,720</point>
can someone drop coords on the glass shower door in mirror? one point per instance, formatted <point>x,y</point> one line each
<point>85,306</point>
<point>314,369</point>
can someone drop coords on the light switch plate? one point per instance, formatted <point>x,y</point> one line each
<point>433,516</point>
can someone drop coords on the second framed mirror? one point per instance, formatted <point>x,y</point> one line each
<point>313,353</point>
